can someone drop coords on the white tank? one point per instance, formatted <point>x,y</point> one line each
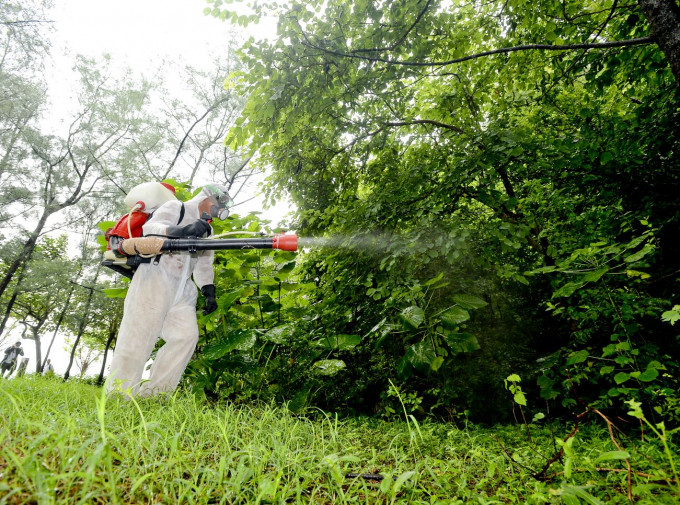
<point>148,196</point>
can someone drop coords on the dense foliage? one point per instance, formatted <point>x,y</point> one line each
<point>537,187</point>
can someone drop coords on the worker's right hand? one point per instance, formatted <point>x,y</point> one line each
<point>196,229</point>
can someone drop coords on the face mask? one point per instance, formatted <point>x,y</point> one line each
<point>219,212</point>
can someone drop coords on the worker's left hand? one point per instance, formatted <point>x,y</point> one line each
<point>210,301</point>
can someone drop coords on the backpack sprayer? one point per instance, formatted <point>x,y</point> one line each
<point>127,249</point>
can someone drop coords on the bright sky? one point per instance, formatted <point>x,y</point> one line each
<point>139,31</point>
<point>138,34</point>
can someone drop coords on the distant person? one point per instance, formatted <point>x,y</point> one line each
<point>10,359</point>
<point>48,369</point>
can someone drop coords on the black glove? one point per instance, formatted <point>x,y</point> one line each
<point>196,229</point>
<point>210,301</point>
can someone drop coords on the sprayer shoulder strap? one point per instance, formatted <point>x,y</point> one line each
<point>157,258</point>
<point>181,215</point>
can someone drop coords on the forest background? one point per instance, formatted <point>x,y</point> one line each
<point>488,193</point>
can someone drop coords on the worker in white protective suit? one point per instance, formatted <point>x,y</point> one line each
<point>161,299</point>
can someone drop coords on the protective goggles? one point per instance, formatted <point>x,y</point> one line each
<point>219,195</point>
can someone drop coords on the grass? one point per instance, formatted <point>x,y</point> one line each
<point>68,443</point>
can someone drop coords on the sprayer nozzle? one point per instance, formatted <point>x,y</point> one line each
<point>285,242</point>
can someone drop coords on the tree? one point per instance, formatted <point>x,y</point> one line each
<point>43,290</point>
<point>84,319</point>
<point>544,130</point>
<point>198,123</point>
<point>66,170</point>
<point>24,28</point>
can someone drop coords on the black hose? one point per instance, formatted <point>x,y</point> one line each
<point>197,244</point>
<point>366,476</point>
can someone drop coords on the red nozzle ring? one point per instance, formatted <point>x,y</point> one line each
<point>285,242</point>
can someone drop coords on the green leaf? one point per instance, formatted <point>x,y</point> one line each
<point>454,316</point>
<point>286,268</point>
<point>279,334</point>
<point>542,270</point>
<point>647,249</point>
<point>299,400</point>
<point>412,317</point>
<point>637,273</point>
<point>105,225</point>
<point>577,357</point>
<point>612,455</point>
<point>239,340</point>
<point>546,384</point>
<point>462,342</point>
<point>594,276</point>
<point>226,300</point>
<point>329,366</point>
<point>469,302</point>
<point>636,409</point>
<point>568,289</point>
<point>404,368</point>
<point>434,280</point>
<point>116,292</point>
<point>538,416</point>
<point>671,316</point>
<point>401,480</point>
<point>621,377</point>
<point>580,493</point>
<point>437,363</point>
<point>648,375</point>
<point>339,342</point>
<point>606,157</point>
<point>421,356</point>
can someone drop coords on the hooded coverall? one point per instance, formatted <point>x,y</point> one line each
<point>161,303</point>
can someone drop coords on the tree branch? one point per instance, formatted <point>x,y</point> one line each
<point>25,22</point>
<point>426,121</point>
<point>186,136</point>
<point>504,50</point>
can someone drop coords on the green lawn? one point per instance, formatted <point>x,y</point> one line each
<point>66,443</point>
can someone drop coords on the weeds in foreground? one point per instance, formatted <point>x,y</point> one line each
<point>68,443</point>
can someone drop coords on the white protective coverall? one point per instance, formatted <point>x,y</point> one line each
<point>161,303</point>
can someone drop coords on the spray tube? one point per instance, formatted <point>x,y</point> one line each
<point>159,245</point>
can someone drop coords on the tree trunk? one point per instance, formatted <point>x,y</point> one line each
<point>59,321</point>
<point>13,299</point>
<point>113,331</point>
<point>100,379</point>
<point>38,348</point>
<point>83,323</point>
<point>664,20</point>
<point>26,252</point>
<point>8,310</point>
<point>35,332</point>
